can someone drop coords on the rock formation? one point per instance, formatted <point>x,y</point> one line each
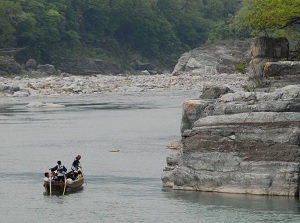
<point>269,64</point>
<point>282,73</point>
<point>266,50</point>
<point>269,48</point>
<point>242,142</point>
<point>214,58</point>
<point>9,66</point>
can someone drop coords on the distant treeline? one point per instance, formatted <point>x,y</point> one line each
<point>159,30</point>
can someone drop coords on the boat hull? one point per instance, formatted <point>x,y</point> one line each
<point>57,187</point>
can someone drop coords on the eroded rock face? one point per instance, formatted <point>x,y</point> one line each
<point>228,173</point>
<point>282,73</point>
<point>282,67</point>
<point>241,142</point>
<point>268,47</point>
<point>265,50</point>
<point>213,59</point>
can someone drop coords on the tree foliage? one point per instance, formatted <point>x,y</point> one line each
<point>10,13</point>
<point>263,15</point>
<point>155,29</point>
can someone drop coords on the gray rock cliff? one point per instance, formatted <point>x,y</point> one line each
<point>240,142</point>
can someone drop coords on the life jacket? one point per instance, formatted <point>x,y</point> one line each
<point>60,170</point>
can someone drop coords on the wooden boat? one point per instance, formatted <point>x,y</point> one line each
<point>60,187</point>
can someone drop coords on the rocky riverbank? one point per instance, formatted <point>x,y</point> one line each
<point>205,66</point>
<point>66,84</point>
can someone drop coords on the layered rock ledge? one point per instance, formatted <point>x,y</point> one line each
<point>239,142</point>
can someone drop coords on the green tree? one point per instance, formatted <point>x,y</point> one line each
<point>264,15</point>
<point>93,21</point>
<point>137,27</point>
<point>10,13</point>
<point>154,29</point>
<point>187,20</point>
<point>45,28</point>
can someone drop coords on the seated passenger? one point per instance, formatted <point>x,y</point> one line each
<point>69,181</point>
<point>54,176</point>
<point>69,178</point>
<point>75,175</point>
<point>46,179</point>
<point>80,174</point>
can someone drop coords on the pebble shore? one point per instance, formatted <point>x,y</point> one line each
<point>65,84</point>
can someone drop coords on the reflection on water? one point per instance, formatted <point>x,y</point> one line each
<point>238,201</point>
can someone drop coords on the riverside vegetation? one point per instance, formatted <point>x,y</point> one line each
<point>55,31</point>
<point>51,31</point>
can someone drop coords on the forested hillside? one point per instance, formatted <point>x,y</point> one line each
<point>158,30</point>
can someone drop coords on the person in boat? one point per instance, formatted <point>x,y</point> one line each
<point>53,176</point>
<point>79,174</point>
<point>69,181</point>
<point>60,170</point>
<point>46,179</point>
<point>75,175</point>
<point>69,178</point>
<point>76,163</point>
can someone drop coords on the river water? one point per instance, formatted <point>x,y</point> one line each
<point>122,186</point>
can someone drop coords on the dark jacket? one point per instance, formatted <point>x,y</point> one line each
<point>75,164</point>
<point>61,169</point>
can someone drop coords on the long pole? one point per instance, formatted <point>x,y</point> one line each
<point>65,184</point>
<point>50,189</point>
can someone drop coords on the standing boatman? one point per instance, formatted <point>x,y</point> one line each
<point>60,170</point>
<point>76,163</point>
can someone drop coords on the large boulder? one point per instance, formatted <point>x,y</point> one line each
<point>9,88</point>
<point>282,68</point>
<point>9,66</point>
<point>31,64</point>
<point>213,92</point>
<point>214,58</point>
<point>267,49</point>
<point>46,69</point>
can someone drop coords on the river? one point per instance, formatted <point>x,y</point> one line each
<point>122,186</point>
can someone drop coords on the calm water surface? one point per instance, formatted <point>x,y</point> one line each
<point>120,187</point>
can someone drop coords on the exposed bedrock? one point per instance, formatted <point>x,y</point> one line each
<point>241,142</point>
